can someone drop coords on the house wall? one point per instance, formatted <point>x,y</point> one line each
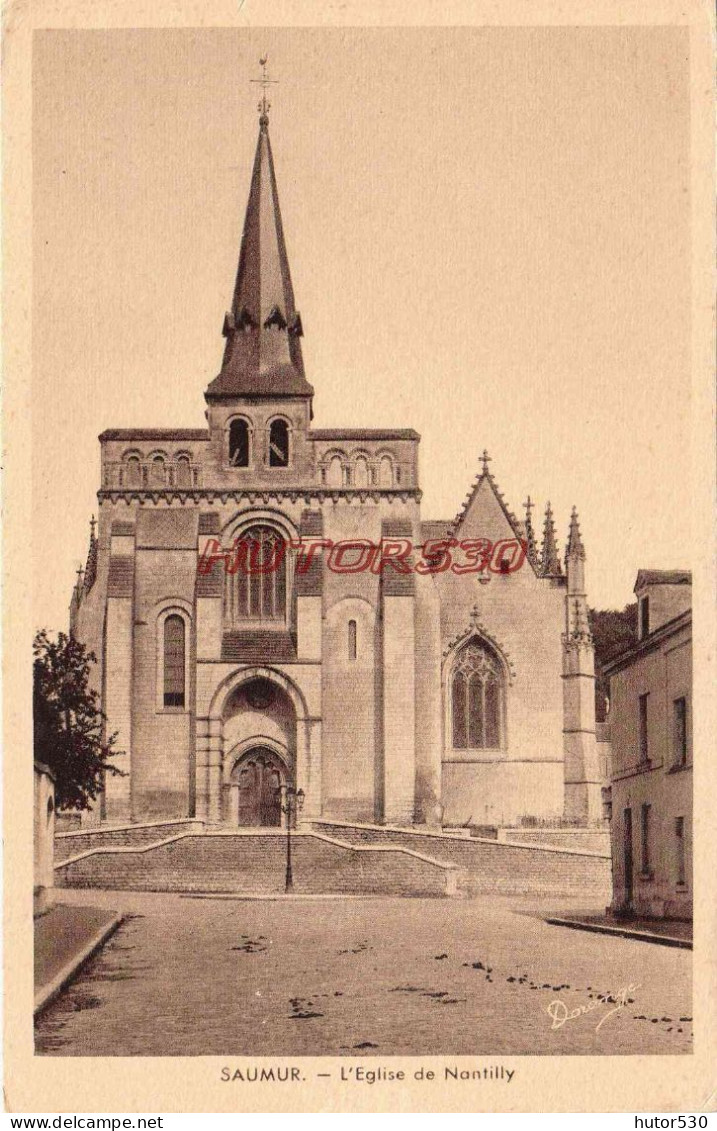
<point>43,836</point>
<point>665,674</point>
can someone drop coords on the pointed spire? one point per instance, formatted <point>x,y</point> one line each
<point>262,356</point>
<point>574,548</point>
<point>91,566</point>
<point>77,588</point>
<point>549,559</point>
<point>531,545</point>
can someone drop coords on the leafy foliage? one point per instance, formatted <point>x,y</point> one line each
<point>614,631</point>
<point>69,725</point>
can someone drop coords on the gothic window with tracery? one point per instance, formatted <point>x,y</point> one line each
<point>477,689</point>
<point>255,586</point>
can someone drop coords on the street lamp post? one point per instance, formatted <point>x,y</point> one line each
<point>291,802</point>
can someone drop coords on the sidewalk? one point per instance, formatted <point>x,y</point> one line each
<point>65,937</point>
<point>665,932</point>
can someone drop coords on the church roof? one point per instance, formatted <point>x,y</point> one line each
<point>486,475</point>
<point>375,434</point>
<point>436,528</point>
<point>263,329</point>
<point>152,434</point>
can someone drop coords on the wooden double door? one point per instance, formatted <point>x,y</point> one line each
<point>259,775</point>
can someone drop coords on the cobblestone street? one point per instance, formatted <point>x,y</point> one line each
<point>188,976</point>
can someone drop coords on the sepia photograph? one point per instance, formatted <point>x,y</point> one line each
<point>363,524</point>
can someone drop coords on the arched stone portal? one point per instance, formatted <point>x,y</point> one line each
<point>256,709</point>
<point>253,793</point>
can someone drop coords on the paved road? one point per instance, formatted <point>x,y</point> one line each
<point>186,976</point>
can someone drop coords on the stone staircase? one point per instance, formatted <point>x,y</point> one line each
<point>487,865</point>
<point>144,858</point>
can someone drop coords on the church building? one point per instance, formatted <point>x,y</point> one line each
<point>268,607</point>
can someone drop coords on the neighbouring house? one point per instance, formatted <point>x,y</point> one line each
<point>43,837</point>
<point>650,722</point>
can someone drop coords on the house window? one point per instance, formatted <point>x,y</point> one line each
<point>239,443</point>
<point>279,444</point>
<point>645,839</point>
<point>680,850</point>
<point>255,585</point>
<point>476,699</point>
<point>644,617</point>
<point>352,640</point>
<point>643,742</point>
<point>679,710</point>
<point>174,645</point>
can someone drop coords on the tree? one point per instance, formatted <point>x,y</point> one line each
<point>69,726</point>
<point>614,631</point>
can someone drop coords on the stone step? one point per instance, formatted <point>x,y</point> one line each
<point>488,865</point>
<point>255,862</point>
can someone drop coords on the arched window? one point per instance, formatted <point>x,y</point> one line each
<point>385,472</point>
<point>133,472</point>
<point>279,444</point>
<point>360,472</point>
<point>352,640</point>
<point>477,699</point>
<point>255,585</point>
<point>335,472</point>
<point>183,471</point>
<point>239,443</point>
<point>157,477</point>
<point>174,657</point>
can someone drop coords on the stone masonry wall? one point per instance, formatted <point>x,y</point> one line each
<point>256,862</point>
<point>489,866</point>
<point>72,844</point>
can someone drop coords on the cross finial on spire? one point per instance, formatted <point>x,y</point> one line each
<point>264,106</point>
<point>485,459</point>
<point>528,504</point>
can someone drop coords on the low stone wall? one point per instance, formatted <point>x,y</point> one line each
<point>596,841</point>
<point>493,866</point>
<point>255,862</point>
<point>121,836</point>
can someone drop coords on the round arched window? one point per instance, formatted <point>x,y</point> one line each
<point>255,586</point>
<point>239,443</point>
<point>279,444</point>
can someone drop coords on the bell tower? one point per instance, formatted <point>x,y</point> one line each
<point>260,403</point>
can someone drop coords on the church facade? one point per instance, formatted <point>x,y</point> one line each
<point>268,607</point>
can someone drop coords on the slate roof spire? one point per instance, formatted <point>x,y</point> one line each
<point>262,356</point>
